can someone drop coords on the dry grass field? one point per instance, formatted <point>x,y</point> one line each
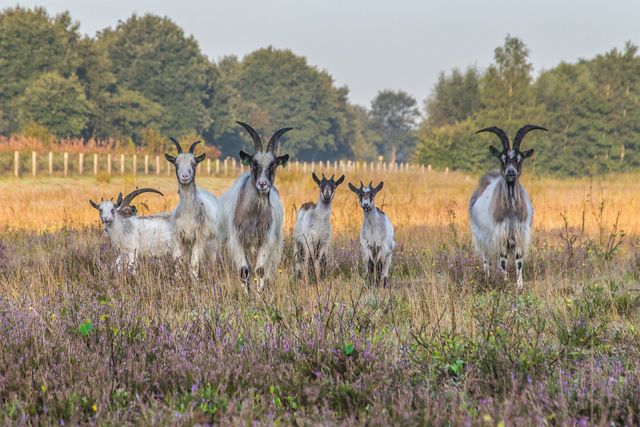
<point>80,343</point>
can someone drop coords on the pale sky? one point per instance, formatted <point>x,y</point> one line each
<point>382,44</point>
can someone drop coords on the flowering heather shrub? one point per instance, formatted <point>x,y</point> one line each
<point>81,344</point>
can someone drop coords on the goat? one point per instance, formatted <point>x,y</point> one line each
<point>500,211</point>
<point>196,219</point>
<point>376,235</point>
<point>135,236</point>
<point>253,212</point>
<point>312,232</point>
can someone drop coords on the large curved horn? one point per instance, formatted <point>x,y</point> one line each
<point>501,134</point>
<point>254,135</point>
<point>273,142</point>
<point>193,146</point>
<point>175,141</point>
<point>522,132</point>
<point>135,193</point>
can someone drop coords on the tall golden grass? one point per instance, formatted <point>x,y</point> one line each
<point>433,200</point>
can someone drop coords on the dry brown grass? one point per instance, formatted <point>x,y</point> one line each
<point>411,200</point>
<point>578,310</point>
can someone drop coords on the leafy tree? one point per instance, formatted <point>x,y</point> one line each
<point>272,88</point>
<point>507,84</point>
<point>57,103</point>
<point>393,117</point>
<point>454,97</point>
<point>152,56</point>
<point>32,42</point>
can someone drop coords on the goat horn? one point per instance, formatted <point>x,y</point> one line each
<point>175,141</point>
<point>522,132</point>
<point>273,142</point>
<point>193,146</point>
<point>254,135</point>
<point>501,134</point>
<point>135,193</point>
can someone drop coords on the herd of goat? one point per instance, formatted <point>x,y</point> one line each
<point>246,222</point>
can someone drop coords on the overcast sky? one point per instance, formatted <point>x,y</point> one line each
<point>382,44</point>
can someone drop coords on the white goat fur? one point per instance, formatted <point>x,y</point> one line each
<point>494,239</point>
<point>267,253</point>
<point>137,236</point>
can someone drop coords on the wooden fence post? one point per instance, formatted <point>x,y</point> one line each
<point>16,164</point>
<point>66,164</point>
<point>34,164</point>
<point>121,164</point>
<point>134,167</point>
<point>157,165</point>
<point>446,170</point>
<point>109,164</point>
<point>146,164</point>
<point>80,163</point>
<point>169,169</point>
<point>234,167</point>
<point>217,166</point>
<point>50,163</point>
<point>95,164</point>
<point>225,166</point>
<point>209,167</point>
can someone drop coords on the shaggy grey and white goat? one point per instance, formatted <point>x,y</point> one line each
<point>376,235</point>
<point>135,236</point>
<point>500,211</point>
<point>253,212</point>
<point>196,219</point>
<point>312,232</point>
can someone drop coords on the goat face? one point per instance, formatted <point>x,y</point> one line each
<point>263,163</point>
<point>511,158</point>
<point>122,207</point>
<point>107,211</point>
<point>185,163</point>
<point>263,169</point>
<point>327,186</point>
<point>366,195</point>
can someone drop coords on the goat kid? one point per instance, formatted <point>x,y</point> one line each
<point>134,236</point>
<point>196,219</point>
<point>312,232</point>
<point>376,235</point>
<point>500,210</point>
<point>253,212</point>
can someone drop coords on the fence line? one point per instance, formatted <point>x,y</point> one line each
<point>222,167</point>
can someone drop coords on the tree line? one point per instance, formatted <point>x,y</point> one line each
<point>145,79</point>
<point>592,109</point>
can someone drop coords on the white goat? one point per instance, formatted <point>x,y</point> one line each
<point>253,213</point>
<point>312,232</point>
<point>135,236</point>
<point>197,218</point>
<point>376,235</point>
<point>500,211</point>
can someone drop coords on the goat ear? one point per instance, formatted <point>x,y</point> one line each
<point>201,157</point>
<point>528,153</point>
<point>315,178</point>
<point>170,158</point>
<point>340,180</point>
<point>282,160</point>
<point>94,204</point>
<point>245,158</point>
<point>378,187</point>
<point>497,153</point>
<point>354,188</point>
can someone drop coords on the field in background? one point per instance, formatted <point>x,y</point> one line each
<point>83,344</point>
<point>412,200</point>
